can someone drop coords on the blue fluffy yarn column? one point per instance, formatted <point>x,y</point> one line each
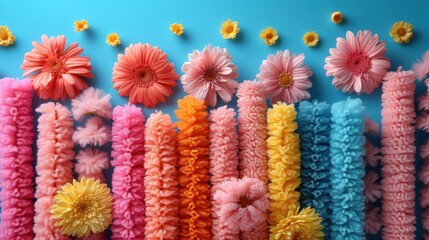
<point>314,125</point>
<point>347,170</point>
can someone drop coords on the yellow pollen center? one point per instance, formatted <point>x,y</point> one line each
<point>210,74</point>
<point>310,38</point>
<point>269,36</point>
<point>401,32</point>
<point>285,80</point>
<point>4,35</point>
<point>112,38</point>
<point>244,202</point>
<point>229,29</point>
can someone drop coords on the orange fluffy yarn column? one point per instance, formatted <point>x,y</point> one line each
<point>194,179</point>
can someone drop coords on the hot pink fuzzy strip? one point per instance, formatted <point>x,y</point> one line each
<point>398,150</point>
<point>252,135</point>
<point>161,184</point>
<point>16,159</point>
<point>54,165</point>
<point>223,163</point>
<point>128,174</point>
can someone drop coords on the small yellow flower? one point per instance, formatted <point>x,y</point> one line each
<point>401,32</point>
<point>337,17</point>
<point>269,35</point>
<point>6,36</point>
<point>113,39</point>
<point>80,26</point>
<point>311,39</point>
<point>229,29</point>
<point>177,28</point>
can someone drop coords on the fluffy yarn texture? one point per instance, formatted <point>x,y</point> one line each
<point>398,150</point>
<point>95,133</point>
<point>194,180</point>
<point>252,135</point>
<point>223,163</point>
<point>16,159</point>
<point>421,68</point>
<point>284,161</point>
<point>128,173</point>
<point>243,202</point>
<point>372,218</point>
<point>92,101</point>
<point>347,170</point>
<point>91,163</point>
<point>54,165</point>
<point>161,185</point>
<point>314,122</point>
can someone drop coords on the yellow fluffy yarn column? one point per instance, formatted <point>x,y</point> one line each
<point>284,162</point>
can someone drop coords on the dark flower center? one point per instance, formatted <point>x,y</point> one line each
<point>401,32</point>
<point>358,63</point>
<point>285,80</point>
<point>269,36</point>
<point>310,38</point>
<point>56,67</point>
<point>244,202</point>
<point>144,77</point>
<point>210,74</point>
<point>229,29</point>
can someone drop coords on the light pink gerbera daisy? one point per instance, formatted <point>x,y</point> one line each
<point>56,71</point>
<point>144,74</point>
<point>358,63</point>
<point>285,78</point>
<point>210,73</point>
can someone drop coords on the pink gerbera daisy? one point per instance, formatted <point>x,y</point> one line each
<point>285,78</point>
<point>358,63</point>
<point>210,73</point>
<point>144,74</point>
<point>56,71</point>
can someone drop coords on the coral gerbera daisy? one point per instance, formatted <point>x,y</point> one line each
<point>56,71</point>
<point>229,29</point>
<point>305,224</point>
<point>311,39</point>
<point>81,25</point>
<point>401,32</point>
<point>177,29</point>
<point>284,77</point>
<point>83,208</point>
<point>358,63</point>
<point>6,36</point>
<point>113,39</point>
<point>269,35</point>
<point>337,17</point>
<point>210,73</point>
<point>144,74</point>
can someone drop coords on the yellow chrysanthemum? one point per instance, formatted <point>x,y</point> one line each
<point>83,208</point>
<point>229,29</point>
<point>401,32</point>
<point>311,39</point>
<point>81,25</point>
<point>113,39</point>
<point>6,36</point>
<point>284,161</point>
<point>177,28</point>
<point>296,225</point>
<point>337,17</point>
<point>269,35</point>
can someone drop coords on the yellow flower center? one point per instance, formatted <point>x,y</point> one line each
<point>229,29</point>
<point>269,35</point>
<point>210,74</point>
<point>285,80</point>
<point>81,206</point>
<point>309,38</point>
<point>401,32</point>
<point>176,29</point>
<point>113,38</point>
<point>3,35</point>
<point>337,17</point>
<point>244,202</point>
<point>144,77</point>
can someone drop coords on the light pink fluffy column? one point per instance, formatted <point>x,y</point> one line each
<point>223,163</point>
<point>252,132</point>
<point>398,158</point>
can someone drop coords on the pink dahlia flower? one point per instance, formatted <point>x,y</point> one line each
<point>210,73</point>
<point>358,63</point>
<point>421,68</point>
<point>285,78</point>
<point>243,203</point>
<point>56,71</point>
<point>144,74</point>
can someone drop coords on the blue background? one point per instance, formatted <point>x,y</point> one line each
<point>148,21</point>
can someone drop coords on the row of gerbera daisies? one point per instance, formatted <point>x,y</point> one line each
<point>146,76</point>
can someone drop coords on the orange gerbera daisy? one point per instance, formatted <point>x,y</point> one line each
<point>56,71</point>
<point>144,74</point>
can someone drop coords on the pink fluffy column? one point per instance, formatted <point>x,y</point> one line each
<point>161,184</point>
<point>252,132</point>
<point>223,163</point>
<point>128,174</point>
<point>54,165</point>
<point>398,152</point>
<point>16,159</point>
